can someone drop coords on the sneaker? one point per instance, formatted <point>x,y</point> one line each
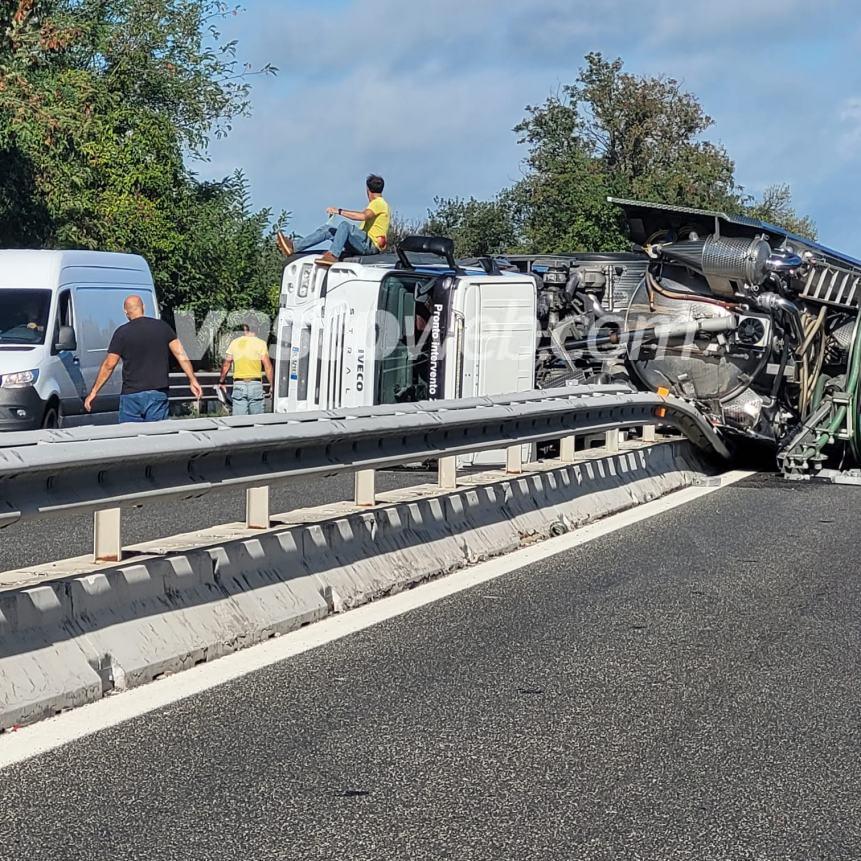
<point>326,259</point>
<point>285,245</point>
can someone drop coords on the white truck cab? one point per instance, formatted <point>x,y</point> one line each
<point>385,330</point>
<point>58,311</point>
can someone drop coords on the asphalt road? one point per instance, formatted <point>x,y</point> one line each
<point>685,689</point>
<point>33,543</point>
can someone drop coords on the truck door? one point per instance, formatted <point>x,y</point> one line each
<point>412,310</point>
<point>499,337</point>
<point>497,354</point>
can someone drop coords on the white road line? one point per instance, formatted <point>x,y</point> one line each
<point>49,734</point>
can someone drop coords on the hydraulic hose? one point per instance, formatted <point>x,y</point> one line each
<point>654,286</point>
<point>854,389</point>
<point>853,381</point>
<point>818,391</point>
<point>772,302</point>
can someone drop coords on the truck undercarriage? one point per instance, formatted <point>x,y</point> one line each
<point>756,326</point>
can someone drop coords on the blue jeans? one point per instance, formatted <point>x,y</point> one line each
<point>247,398</point>
<point>144,407</point>
<point>345,237</point>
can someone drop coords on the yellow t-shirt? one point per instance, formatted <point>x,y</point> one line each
<point>378,226</point>
<point>247,353</point>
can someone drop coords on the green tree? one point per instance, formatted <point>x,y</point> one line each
<point>401,227</point>
<point>615,133</point>
<point>161,56</point>
<point>100,100</point>
<point>775,207</point>
<point>646,134</point>
<point>610,133</point>
<point>478,227</point>
<point>230,259</point>
<point>565,208</point>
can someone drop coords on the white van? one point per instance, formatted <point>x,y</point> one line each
<point>58,311</point>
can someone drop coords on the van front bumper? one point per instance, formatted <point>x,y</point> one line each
<point>20,409</point>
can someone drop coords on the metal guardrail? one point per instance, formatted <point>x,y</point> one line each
<point>180,392</point>
<point>102,469</point>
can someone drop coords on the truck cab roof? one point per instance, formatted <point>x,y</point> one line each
<point>376,266</point>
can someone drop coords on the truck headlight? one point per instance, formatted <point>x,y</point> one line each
<point>19,380</point>
<point>305,281</point>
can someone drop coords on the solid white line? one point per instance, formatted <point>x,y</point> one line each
<point>42,737</point>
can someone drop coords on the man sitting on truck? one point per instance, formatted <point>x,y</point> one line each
<point>347,238</point>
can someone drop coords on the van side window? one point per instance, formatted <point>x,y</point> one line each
<point>65,315</point>
<point>99,313</point>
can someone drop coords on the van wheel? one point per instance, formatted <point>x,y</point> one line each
<point>51,419</point>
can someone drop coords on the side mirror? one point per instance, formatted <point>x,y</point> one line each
<point>66,340</point>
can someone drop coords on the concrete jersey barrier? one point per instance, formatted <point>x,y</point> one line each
<point>68,641</point>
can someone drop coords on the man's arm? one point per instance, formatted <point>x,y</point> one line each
<point>179,354</point>
<point>105,371</point>
<point>267,368</point>
<point>225,369</point>
<point>352,214</point>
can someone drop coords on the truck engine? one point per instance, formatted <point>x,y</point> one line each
<point>757,326</point>
<point>579,295</point>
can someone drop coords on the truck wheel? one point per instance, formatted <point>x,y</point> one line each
<point>51,419</point>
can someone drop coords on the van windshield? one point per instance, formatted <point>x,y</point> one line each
<point>24,316</point>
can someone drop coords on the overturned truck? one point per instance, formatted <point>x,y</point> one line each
<point>757,326</point>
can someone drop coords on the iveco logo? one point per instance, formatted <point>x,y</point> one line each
<point>360,370</point>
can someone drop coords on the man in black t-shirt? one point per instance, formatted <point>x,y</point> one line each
<point>144,345</point>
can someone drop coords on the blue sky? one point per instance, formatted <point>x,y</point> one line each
<point>427,94</point>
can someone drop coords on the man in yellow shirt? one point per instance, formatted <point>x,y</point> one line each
<point>370,238</point>
<point>249,357</point>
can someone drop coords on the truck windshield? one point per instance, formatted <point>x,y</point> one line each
<point>24,316</point>
<point>403,371</point>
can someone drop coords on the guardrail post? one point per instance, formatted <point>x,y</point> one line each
<point>567,447</point>
<point>514,460</point>
<point>447,472</point>
<point>107,539</point>
<point>612,440</point>
<point>365,490</point>
<point>257,507</point>
<point>650,433</point>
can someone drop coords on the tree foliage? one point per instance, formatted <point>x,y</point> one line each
<point>63,60</point>
<point>615,133</point>
<point>608,133</point>
<point>775,207</point>
<point>478,227</point>
<point>100,102</point>
<point>400,227</point>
